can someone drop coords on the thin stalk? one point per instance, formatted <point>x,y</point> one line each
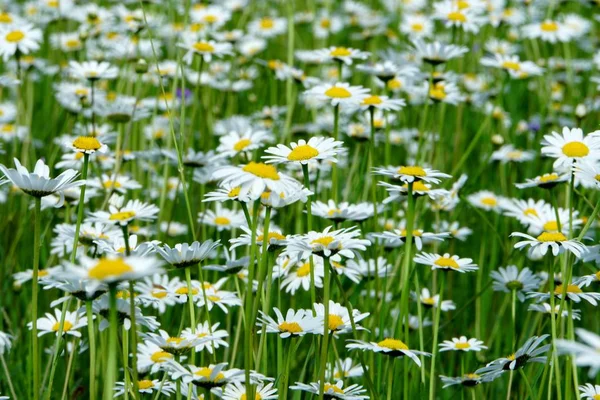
<point>34,300</point>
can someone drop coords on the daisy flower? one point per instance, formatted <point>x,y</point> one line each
<point>453,15</point>
<point>445,92</point>
<point>508,153</point>
<point>590,391</point>
<point>412,173</point>
<point>87,145</point>
<point>156,292</point>
<point>557,241</point>
<point>255,178</point>
<point>237,391</point>
<point>345,55</point>
<point>530,352</point>
<point>38,183</point>
<point>207,49</point>
<point>300,276</point>
<point>101,307</point>
<point>317,148</point>
<point>111,269</point>
<point>523,210</point>
<point>151,357</point>
<point>485,200</point>
<point>546,181</point>
<point>5,342</point>
<point>338,94</point>
<point>123,214</point>
<point>222,218</point>
<point>146,386</point>
<point>587,174</point>
<point>294,323</point>
<point>573,292</point>
<point>586,352</point>
<point>209,377</point>
<point>548,31</point>
<point>446,262</point>
<point>513,65</point>
<point>344,242</point>
<point>214,336</point>
<point>267,27</point>
<point>419,236</point>
<point>51,323</point>
<point>571,146</point>
<point>389,346</point>
<point>546,308</point>
<point>437,53</point>
<point>235,142</point>
<point>467,380</point>
<point>333,391</point>
<point>339,318</point>
<point>429,301</point>
<point>183,255</point>
<point>416,25</point>
<point>20,38</point>
<point>343,369</point>
<point>92,70</point>
<point>176,345</point>
<point>462,344</point>
<point>276,240</point>
<point>510,279</point>
<point>382,103</point>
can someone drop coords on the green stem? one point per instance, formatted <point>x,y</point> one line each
<point>436,325</point>
<point>111,372</point>
<point>325,342</point>
<point>34,299</point>
<point>92,344</point>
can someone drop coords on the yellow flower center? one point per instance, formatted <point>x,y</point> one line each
<point>66,327</point>
<point>242,144</point>
<point>489,201</point>
<point>262,170</point>
<point>551,226</point>
<point>291,327</point>
<point>72,43</point>
<point>394,84</point>
<point>372,100</point>
<point>111,184</point>
<point>418,186</point>
<point>184,290</point>
<point>159,294</point>
<point>203,47</point>
<point>548,178</point>
<point>122,216</point>
<point>462,345</point>
<point>393,344</point>
<point>270,236</point>
<point>211,19</point>
<point>329,387</point>
<point>267,23</point>
<point>160,356</point>
<point>457,16</point>
<point>14,36</point>
<point>338,93</point>
<point>302,153</point>
<point>417,27</point>
<point>303,270</point>
<point>575,149</point>
<point>596,397</point>
<point>461,4</point>
<point>412,171</point>
<point>234,192</point>
<point>515,66</point>
<point>530,211</point>
<point>549,26</point>
<point>206,372</point>
<point>87,143</point>
<point>107,267</point>
<point>256,396</point>
<point>551,237</point>
<point>175,340</point>
<point>335,321</point>
<point>325,23</point>
<point>570,289</point>
<point>5,18</point>
<point>446,262</point>
<point>340,52</point>
<point>438,91</point>
<point>222,221</point>
<point>145,384</point>
<point>323,241</point>
<point>428,301</point>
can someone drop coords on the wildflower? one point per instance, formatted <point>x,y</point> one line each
<point>510,279</point>
<point>333,391</point>
<point>389,346</point>
<point>317,148</point>
<point>295,323</point>
<point>446,262</point>
<point>462,344</point>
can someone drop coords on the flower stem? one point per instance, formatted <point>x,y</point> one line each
<point>436,326</point>
<point>92,344</point>
<point>325,342</point>
<point>34,299</point>
<point>111,373</point>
